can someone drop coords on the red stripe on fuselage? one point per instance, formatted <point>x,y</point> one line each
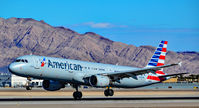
<point>156,78</point>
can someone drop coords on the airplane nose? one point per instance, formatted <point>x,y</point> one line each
<point>12,68</point>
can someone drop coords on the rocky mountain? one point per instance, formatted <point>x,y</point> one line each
<point>23,36</point>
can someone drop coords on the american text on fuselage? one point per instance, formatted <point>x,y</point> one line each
<point>66,65</point>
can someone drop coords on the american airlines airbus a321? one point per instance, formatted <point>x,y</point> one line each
<point>56,72</point>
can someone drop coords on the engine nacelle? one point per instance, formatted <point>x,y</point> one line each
<point>51,85</point>
<point>99,81</point>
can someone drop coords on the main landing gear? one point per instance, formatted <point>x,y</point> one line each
<point>77,95</point>
<point>108,92</point>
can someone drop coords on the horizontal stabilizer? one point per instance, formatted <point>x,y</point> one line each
<point>173,75</point>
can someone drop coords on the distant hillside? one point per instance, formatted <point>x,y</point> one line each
<point>21,36</point>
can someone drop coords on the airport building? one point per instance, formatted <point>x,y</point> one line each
<point>17,81</point>
<point>172,80</point>
<point>5,80</point>
<point>11,80</point>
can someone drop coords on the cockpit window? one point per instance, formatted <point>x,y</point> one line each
<point>26,61</point>
<point>21,60</point>
<point>18,60</point>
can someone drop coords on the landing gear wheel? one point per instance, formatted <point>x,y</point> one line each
<point>108,92</point>
<point>111,92</point>
<point>28,88</point>
<point>77,95</point>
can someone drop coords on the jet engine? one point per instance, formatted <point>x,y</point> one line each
<point>51,85</point>
<point>99,80</point>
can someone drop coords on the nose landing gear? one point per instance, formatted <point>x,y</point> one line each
<point>28,88</point>
<point>28,84</point>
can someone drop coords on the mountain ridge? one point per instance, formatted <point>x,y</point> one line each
<point>23,36</point>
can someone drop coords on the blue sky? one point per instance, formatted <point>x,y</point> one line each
<point>137,22</point>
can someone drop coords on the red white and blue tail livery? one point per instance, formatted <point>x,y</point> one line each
<point>158,58</point>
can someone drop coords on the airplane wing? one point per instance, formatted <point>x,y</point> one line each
<point>140,71</point>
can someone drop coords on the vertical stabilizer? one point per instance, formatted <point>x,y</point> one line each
<point>158,58</point>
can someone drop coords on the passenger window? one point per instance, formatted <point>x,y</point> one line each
<point>22,60</point>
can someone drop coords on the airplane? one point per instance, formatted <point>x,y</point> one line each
<point>56,72</point>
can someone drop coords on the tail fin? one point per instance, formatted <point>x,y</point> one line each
<point>158,58</point>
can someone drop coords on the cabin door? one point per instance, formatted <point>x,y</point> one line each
<point>37,63</point>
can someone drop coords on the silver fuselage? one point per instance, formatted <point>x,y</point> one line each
<point>67,70</point>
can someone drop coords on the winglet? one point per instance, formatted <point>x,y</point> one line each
<point>180,64</point>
